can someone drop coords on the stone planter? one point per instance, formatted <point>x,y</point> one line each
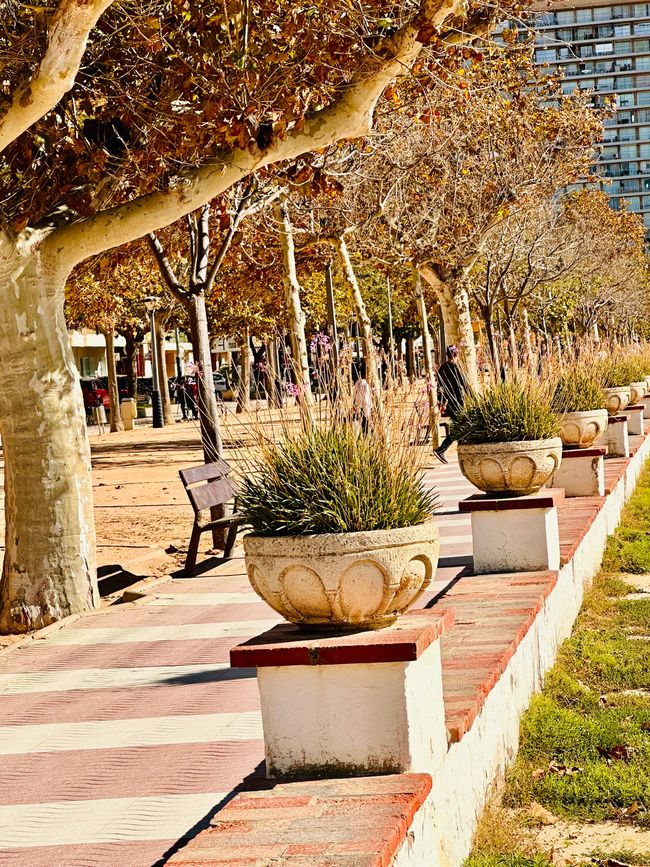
<point>637,391</point>
<point>343,580</point>
<point>617,398</point>
<point>647,383</point>
<point>580,430</point>
<point>510,469</point>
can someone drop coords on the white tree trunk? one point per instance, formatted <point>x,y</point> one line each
<point>429,372</point>
<point>165,399</point>
<point>365,325</point>
<point>295,312</point>
<point>49,567</point>
<point>457,321</point>
<point>206,399</point>
<point>113,389</point>
<point>244,387</point>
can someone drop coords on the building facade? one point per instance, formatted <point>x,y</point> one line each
<point>606,49</point>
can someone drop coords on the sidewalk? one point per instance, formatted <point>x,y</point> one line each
<point>124,730</point>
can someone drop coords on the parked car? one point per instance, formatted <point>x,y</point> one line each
<point>93,393</point>
<point>122,384</point>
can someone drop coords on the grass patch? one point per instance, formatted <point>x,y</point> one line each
<point>585,741</point>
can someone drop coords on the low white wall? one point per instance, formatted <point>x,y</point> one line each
<point>442,831</point>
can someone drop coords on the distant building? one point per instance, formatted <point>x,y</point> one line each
<point>606,49</point>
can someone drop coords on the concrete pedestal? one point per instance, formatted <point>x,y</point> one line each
<point>618,445</point>
<point>581,473</point>
<point>353,703</point>
<point>635,419</point>
<point>519,534</point>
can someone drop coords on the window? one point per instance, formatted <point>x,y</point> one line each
<point>603,48</point>
<point>564,35</point>
<point>642,46</point>
<point>634,203</point>
<point>643,27</point>
<point>546,19</point>
<point>628,152</point>
<point>621,12</point>
<point>625,100</point>
<point>641,10</point>
<point>644,133</point>
<point>584,16</point>
<point>646,220</point>
<point>643,63</point>
<point>615,203</point>
<point>587,33</point>
<point>545,56</point>
<point>645,151</point>
<point>645,202</point>
<point>565,17</point>
<point>624,47</point>
<point>623,82</point>
<point>609,153</point>
<point>643,98</point>
<point>619,30</point>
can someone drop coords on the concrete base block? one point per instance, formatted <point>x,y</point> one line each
<point>618,445</point>
<point>581,473</point>
<point>515,535</point>
<point>359,703</point>
<point>635,420</point>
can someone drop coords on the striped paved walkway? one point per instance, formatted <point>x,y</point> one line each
<point>122,732</point>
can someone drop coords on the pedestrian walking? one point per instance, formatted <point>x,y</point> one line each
<point>362,397</point>
<point>452,387</point>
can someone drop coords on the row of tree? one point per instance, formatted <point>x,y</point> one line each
<point>269,137</point>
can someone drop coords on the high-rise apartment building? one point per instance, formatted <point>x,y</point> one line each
<point>606,49</point>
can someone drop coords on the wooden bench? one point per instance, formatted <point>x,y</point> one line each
<point>209,488</point>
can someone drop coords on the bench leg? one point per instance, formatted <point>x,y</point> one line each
<point>230,541</point>
<point>192,551</point>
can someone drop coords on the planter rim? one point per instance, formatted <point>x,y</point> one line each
<point>582,413</point>
<point>367,539</point>
<point>531,445</point>
<point>617,388</point>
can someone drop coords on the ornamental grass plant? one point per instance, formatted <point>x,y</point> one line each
<point>578,389</point>
<point>333,479</point>
<point>320,470</point>
<point>516,409</point>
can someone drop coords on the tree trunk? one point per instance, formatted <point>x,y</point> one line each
<point>165,399</point>
<point>492,340</point>
<point>131,362</point>
<point>49,566</point>
<point>365,325</point>
<point>532,365</point>
<point>274,380</point>
<point>206,399</point>
<point>113,390</point>
<point>411,370</point>
<point>429,372</point>
<point>244,389</point>
<point>295,312</point>
<point>454,305</point>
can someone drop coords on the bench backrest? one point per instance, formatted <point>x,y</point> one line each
<point>216,491</point>
<point>205,472</point>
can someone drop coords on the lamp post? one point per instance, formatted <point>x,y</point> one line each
<point>151,303</point>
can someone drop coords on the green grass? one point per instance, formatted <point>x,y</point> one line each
<point>570,759</point>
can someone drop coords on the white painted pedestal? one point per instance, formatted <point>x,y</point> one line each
<point>581,473</point>
<point>635,420</point>
<point>519,534</point>
<point>353,703</point>
<point>618,445</point>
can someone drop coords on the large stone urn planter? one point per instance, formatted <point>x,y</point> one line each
<point>617,398</point>
<point>637,391</point>
<point>580,430</point>
<point>343,580</point>
<point>510,469</point>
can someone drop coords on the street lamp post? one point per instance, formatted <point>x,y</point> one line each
<point>151,303</point>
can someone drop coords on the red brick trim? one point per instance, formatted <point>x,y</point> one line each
<point>289,644</point>
<point>595,452</point>
<point>324,823</point>
<point>545,499</point>
<point>616,419</point>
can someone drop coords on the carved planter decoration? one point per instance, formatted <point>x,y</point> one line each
<point>580,430</point>
<point>343,580</point>
<point>637,392</point>
<point>510,469</point>
<point>617,398</point>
